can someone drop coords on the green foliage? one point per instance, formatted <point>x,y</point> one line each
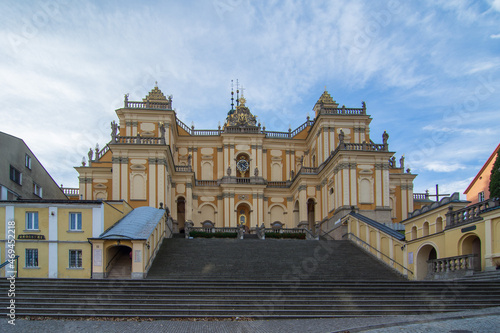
<point>278,235</point>
<point>202,234</point>
<point>495,178</point>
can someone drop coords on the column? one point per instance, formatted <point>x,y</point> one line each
<point>152,182</point>
<point>345,186</point>
<point>488,246</point>
<point>264,163</point>
<point>161,182</point>
<point>124,178</point>
<point>189,202</point>
<point>254,214</point>
<point>53,255</point>
<point>253,160</point>
<point>303,204</point>
<point>232,163</point>
<point>227,222</point>
<point>378,184</point>
<point>287,168</point>
<point>326,150</point>
<point>259,160</point>
<point>116,178</point>
<point>195,162</point>
<point>226,160</point>
<point>354,184</point>
<point>220,163</point>
<point>404,201</point>
<point>332,138</point>
<point>232,211</point>
<point>386,191</point>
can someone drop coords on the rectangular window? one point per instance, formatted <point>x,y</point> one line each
<point>31,220</point>
<point>37,190</point>
<point>481,196</point>
<point>27,161</point>
<point>31,258</point>
<point>75,258</point>
<point>75,221</point>
<point>15,175</point>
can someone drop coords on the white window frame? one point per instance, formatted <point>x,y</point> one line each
<point>13,178</point>
<point>480,196</point>
<point>37,189</point>
<point>75,259</point>
<point>75,223</point>
<point>27,161</point>
<point>32,221</point>
<point>31,258</point>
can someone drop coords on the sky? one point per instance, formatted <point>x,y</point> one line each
<point>429,72</point>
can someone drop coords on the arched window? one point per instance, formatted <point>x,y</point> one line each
<point>413,232</point>
<point>425,229</point>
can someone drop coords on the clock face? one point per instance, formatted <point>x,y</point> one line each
<point>242,165</point>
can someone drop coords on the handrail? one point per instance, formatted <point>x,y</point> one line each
<point>11,261</point>
<point>351,235</point>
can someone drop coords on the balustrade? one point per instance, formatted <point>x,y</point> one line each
<point>470,213</point>
<point>447,266</point>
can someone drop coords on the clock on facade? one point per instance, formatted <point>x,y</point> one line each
<point>242,165</point>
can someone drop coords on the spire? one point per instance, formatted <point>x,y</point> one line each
<point>232,97</point>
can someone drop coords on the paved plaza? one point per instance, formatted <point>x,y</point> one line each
<point>481,321</point>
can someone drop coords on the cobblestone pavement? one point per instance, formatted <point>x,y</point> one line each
<point>483,321</point>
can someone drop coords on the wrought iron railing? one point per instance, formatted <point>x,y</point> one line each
<point>368,248</point>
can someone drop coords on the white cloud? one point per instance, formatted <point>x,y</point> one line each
<point>443,166</point>
<point>495,36</point>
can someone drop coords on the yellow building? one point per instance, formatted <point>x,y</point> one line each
<point>245,174</point>
<point>78,239</point>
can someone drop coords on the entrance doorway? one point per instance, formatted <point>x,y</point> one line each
<point>426,253</point>
<point>243,214</point>
<point>310,213</point>
<point>119,264</point>
<point>181,213</point>
<point>472,245</point>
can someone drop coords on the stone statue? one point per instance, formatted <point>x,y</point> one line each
<point>292,174</point>
<point>256,172</point>
<point>189,160</point>
<point>385,137</point>
<point>341,136</point>
<point>229,171</point>
<point>393,161</point>
<point>162,130</point>
<point>91,155</point>
<point>363,104</point>
<point>402,162</point>
<point>114,130</point>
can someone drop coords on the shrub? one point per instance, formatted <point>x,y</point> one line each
<point>279,235</point>
<point>203,234</point>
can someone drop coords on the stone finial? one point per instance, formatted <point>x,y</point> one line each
<point>83,161</point>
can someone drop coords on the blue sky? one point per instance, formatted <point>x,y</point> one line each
<point>428,71</point>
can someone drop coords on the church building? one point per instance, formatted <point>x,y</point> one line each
<point>243,173</point>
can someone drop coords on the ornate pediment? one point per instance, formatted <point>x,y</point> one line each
<point>241,117</point>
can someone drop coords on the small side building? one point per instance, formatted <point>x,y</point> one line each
<point>78,239</point>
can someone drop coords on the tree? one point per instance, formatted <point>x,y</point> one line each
<point>495,178</point>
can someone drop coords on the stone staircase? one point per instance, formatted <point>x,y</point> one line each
<point>225,278</point>
<point>270,259</point>
<point>166,299</point>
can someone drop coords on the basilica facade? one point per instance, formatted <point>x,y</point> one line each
<point>245,174</point>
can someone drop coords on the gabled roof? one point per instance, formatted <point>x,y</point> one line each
<point>479,174</point>
<point>138,224</point>
<point>380,226</point>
